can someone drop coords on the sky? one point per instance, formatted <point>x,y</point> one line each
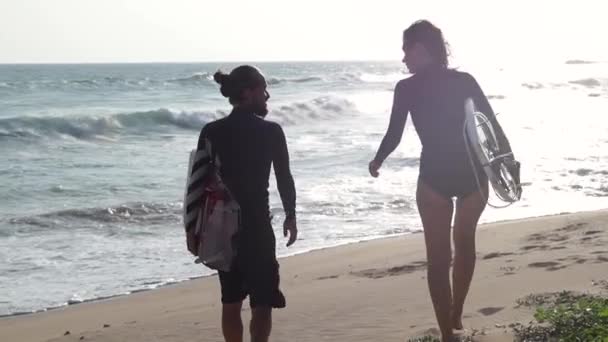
<point>107,31</point>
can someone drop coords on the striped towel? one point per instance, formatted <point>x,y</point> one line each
<point>198,168</point>
<point>210,212</point>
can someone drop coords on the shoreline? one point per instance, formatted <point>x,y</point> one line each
<point>373,290</point>
<point>282,257</point>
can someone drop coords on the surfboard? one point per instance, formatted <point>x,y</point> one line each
<point>497,161</point>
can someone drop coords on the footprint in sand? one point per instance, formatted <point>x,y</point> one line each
<point>572,227</point>
<point>544,264</point>
<point>555,268</point>
<point>602,258</point>
<point>576,259</point>
<point>536,237</point>
<point>558,235</point>
<point>328,277</point>
<point>489,311</point>
<point>376,273</point>
<point>533,247</point>
<point>509,270</point>
<point>496,255</point>
<point>558,238</point>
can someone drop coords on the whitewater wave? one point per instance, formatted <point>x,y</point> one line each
<point>382,78</point>
<point>82,84</point>
<point>91,127</point>
<point>159,120</point>
<point>108,83</point>
<point>346,77</point>
<point>196,78</point>
<point>147,213</point>
<point>371,77</point>
<point>278,80</point>
<point>321,108</point>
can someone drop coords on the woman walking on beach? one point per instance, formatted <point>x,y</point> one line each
<point>435,96</point>
<point>248,146</point>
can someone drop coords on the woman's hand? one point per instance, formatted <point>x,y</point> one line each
<point>374,166</point>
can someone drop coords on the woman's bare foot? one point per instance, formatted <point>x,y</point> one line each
<point>457,321</point>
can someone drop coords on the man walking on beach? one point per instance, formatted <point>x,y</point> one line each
<point>247,146</point>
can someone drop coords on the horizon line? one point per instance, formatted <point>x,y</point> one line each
<point>205,62</point>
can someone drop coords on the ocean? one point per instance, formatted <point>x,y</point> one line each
<point>94,159</point>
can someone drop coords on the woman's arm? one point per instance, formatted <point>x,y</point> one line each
<point>393,135</point>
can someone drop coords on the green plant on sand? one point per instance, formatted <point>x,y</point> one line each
<point>567,317</point>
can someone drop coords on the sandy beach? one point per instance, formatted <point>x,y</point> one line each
<point>369,291</point>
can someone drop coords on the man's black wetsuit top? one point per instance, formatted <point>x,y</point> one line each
<point>247,146</point>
